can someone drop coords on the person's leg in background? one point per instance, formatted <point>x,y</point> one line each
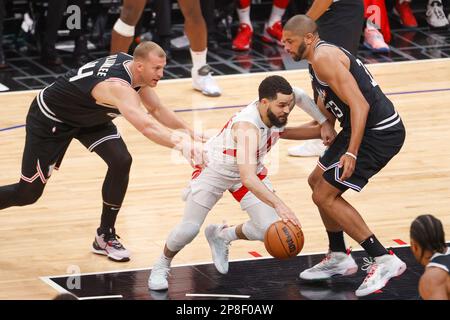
<point>403,10</point>
<point>81,54</point>
<point>377,19</point>
<point>273,28</point>
<point>243,38</point>
<point>55,12</point>
<point>2,18</point>
<point>195,29</point>
<point>123,30</point>
<point>163,9</point>
<point>208,7</point>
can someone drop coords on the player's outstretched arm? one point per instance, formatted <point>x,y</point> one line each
<point>309,130</point>
<point>246,136</point>
<point>164,115</point>
<point>128,103</point>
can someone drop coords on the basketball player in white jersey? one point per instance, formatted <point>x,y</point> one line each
<point>236,164</point>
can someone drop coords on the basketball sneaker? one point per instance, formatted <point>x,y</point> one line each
<point>219,247</point>
<point>203,81</point>
<point>243,38</point>
<point>311,148</point>
<point>273,33</point>
<point>379,272</point>
<point>435,14</point>
<point>158,277</point>
<point>403,10</point>
<point>374,40</point>
<point>107,244</point>
<point>334,263</point>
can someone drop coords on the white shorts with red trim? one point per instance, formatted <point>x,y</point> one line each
<point>207,187</point>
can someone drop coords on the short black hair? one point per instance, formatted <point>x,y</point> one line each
<point>271,86</point>
<point>428,232</point>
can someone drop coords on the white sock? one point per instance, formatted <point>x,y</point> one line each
<point>244,16</point>
<point>276,15</point>
<point>198,59</point>
<point>165,261</point>
<point>229,233</point>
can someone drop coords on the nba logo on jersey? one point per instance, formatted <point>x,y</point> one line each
<point>112,115</point>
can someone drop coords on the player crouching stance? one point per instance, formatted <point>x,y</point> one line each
<point>236,164</point>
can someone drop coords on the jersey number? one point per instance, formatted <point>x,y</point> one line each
<point>372,80</point>
<point>334,109</point>
<point>82,73</point>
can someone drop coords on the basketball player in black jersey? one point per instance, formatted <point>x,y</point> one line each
<point>372,133</point>
<point>81,105</point>
<point>430,250</point>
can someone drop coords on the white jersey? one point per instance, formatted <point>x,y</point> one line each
<point>222,147</point>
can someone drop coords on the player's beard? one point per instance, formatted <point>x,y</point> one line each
<point>274,120</point>
<point>300,51</point>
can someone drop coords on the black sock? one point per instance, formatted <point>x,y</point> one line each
<point>336,240</point>
<point>108,220</point>
<point>373,247</point>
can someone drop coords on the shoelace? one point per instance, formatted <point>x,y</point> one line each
<point>114,242</point>
<point>370,266</point>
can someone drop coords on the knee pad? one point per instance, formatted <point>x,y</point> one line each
<point>124,29</point>
<point>182,235</point>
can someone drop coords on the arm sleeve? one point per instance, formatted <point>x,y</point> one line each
<point>307,104</point>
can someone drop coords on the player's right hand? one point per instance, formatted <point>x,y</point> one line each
<point>195,154</point>
<point>327,133</point>
<point>286,214</point>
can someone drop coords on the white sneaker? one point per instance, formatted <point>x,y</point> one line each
<point>203,81</point>
<point>219,247</point>
<point>435,14</point>
<point>158,277</point>
<point>334,263</point>
<point>311,148</point>
<point>379,272</point>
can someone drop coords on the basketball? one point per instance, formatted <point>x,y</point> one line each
<point>283,240</point>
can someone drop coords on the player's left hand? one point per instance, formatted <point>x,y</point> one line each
<point>347,163</point>
<point>327,133</point>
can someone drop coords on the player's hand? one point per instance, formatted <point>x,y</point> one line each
<point>286,214</point>
<point>347,163</point>
<point>327,133</point>
<point>196,154</point>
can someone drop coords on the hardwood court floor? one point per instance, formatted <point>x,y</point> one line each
<point>54,235</point>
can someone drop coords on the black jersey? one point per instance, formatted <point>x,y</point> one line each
<point>69,100</point>
<point>441,260</point>
<point>382,115</point>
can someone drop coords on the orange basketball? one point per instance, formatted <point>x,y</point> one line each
<point>283,240</point>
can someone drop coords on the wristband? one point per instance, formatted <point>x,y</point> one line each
<point>351,155</point>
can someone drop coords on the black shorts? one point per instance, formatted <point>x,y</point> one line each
<point>376,150</point>
<point>47,140</point>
